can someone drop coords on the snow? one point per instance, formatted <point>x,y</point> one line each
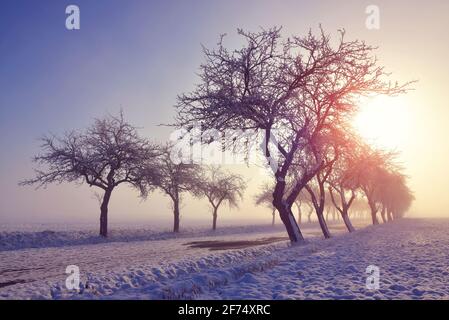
<point>411,255</point>
<point>14,240</point>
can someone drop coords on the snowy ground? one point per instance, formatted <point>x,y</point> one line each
<point>13,240</point>
<point>411,254</point>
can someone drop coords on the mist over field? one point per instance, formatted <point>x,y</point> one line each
<point>55,80</point>
<point>224,150</point>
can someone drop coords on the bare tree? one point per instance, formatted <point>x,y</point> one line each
<point>402,201</point>
<point>343,203</point>
<point>292,91</point>
<point>304,200</point>
<point>174,179</point>
<point>318,193</point>
<point>219,187</point>
<point>301,201</point>
<point>265,197</point>
<point>105,155</point>
<point>360,206</point>
<point>370,172</point>
<point>298,204</point>
<point>395,196</point>
<point>309,214</point>
<point>342,186</point>
<point>331,146</point>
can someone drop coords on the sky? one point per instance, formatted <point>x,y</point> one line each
<point>139,55</point>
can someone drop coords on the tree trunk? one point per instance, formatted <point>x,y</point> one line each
<point>287,218</point>
<point>373,208</point>
<point>299,214</point>
<point>309,216</point>
<point>323,224</point>
<point>214,219</point>
<point>104,213</point>
<point>374,217</point>
<point>347,221</point>
<point>176,216</point>
<point>382,214</point>
<point>274,217</point>
<point>390,216</point>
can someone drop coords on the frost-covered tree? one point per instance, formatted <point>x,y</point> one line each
<point>265,197</point>
<point>329,150</point>
<point>218,187</point>
<point>395,196</point>
<point>174,179</point>
<point>360,207</point>
<point>105,155</point>
<point>402,201</point>
<point>342,185</point>
<point>291,91</point>
<point>370,172</point>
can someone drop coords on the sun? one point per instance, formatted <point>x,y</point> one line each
<point>383,121</point>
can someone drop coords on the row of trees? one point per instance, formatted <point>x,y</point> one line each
<point>111,152</point>
<point>300,94</point>
<point>305,209</point>
<point>372,182</point>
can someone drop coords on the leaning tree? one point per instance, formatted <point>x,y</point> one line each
<point>331,145</point>
<point>219,187</point>
<point>105,155</point>
<point>341,183</point>
<point>290,91</point>
<point>265,196</point>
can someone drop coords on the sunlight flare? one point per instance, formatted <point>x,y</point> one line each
<point>384,121</point>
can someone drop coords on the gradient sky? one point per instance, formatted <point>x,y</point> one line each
<point>138,55</point>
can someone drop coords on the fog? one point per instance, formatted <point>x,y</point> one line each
<point>139,56</point>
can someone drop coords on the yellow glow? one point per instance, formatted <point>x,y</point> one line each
<point>384,121</point>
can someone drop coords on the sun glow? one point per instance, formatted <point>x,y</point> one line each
<point>383,121</point>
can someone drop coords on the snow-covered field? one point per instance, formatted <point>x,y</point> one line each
<point>412,256</point>
<point>13,240</point>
